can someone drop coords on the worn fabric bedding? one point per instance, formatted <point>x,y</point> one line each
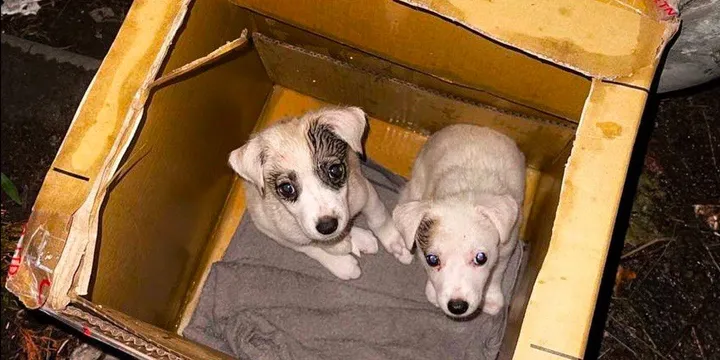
<point>265,301</point>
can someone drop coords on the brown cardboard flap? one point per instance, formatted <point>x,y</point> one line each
<point>433,46</point>
<point>377,65</point>
<point>159,216</point>
<point>597,38</point>
<point>405,104</point>
<point>74,266</point>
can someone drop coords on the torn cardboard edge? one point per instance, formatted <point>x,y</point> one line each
<point>111,171</point>
<point>76,261</point>
<point>203,61</point>
<point>450,12</point>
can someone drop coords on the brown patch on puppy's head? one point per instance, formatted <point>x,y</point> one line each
<point>424,233</point>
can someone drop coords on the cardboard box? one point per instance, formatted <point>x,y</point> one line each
<point>140,201</point>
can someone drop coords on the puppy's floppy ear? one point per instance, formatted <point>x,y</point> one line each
<point>248,161</point>
<point>407,218</point>
<point>503,211</point>
<point>348,123</point>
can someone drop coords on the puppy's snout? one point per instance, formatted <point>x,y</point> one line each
<point>326,225</point>
<point>457,306</point>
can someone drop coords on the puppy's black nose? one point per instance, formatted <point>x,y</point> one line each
<point>326,225</point>
<point>457,307</point>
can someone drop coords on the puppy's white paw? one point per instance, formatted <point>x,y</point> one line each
<point>404,257</point>
<point>431,294</point>
<point>345,267</point>
<point>393,242</point>
<point>363,241</point>
<point>494,301</point>
<point>343,247</point>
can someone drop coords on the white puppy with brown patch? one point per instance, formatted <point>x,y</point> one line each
<point>304,187</point>
<point>461,208</point>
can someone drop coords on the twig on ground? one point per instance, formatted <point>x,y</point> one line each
<point>712,147</point>
<point>622,343</point>
<point>643,247</point>
<point>692,322</point>
<point>653,347</point>
<point>697,342</point>
<point>652,267</point>
<point>604,353</point>
<point>31,349</point>
<point>642,327</point>
<point>62,346</point>
<point>712,258</point>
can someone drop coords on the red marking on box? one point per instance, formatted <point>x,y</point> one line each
<point>15,262</point>
<point>43,284</point>
<point>665,6</point>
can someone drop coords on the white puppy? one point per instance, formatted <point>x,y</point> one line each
<point>461,208</point>
<point>304,186</point>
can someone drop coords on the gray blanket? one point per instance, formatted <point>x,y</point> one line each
<point>265,301</point>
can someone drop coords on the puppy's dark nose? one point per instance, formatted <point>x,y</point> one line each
<point>326,225</point>
<point>457,307</point>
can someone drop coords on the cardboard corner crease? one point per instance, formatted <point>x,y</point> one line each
<point>615,44</point>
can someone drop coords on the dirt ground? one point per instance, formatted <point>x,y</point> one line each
<point>662,305</point>
<point>86,27</point>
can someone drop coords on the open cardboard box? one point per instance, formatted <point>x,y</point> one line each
<point>140,201</point>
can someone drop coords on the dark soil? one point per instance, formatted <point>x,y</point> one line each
<point>670,310</point>
<point>39,99</point>
<point>69,24</point>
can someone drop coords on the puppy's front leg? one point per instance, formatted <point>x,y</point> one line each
<point>363,241</point>
<point>494,299</point>
<point>358,241</point>
<point>381,223</point>
<point>344,267</point>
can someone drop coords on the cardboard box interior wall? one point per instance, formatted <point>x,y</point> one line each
<point>139,201</point>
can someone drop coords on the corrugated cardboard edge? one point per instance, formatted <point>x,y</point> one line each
<point>541,48</point>
<point>108,333</point>
<point>135,338</point>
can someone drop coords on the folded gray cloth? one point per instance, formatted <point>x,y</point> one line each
<point>265,301</point>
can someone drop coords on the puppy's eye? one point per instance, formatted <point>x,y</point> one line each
<point>480,259</point>
<point>336,171</point>
<point>432,260</point>
<point>286,189</point>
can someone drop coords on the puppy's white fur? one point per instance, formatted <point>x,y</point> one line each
<point>464,197</point>
<point>299,150</point>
